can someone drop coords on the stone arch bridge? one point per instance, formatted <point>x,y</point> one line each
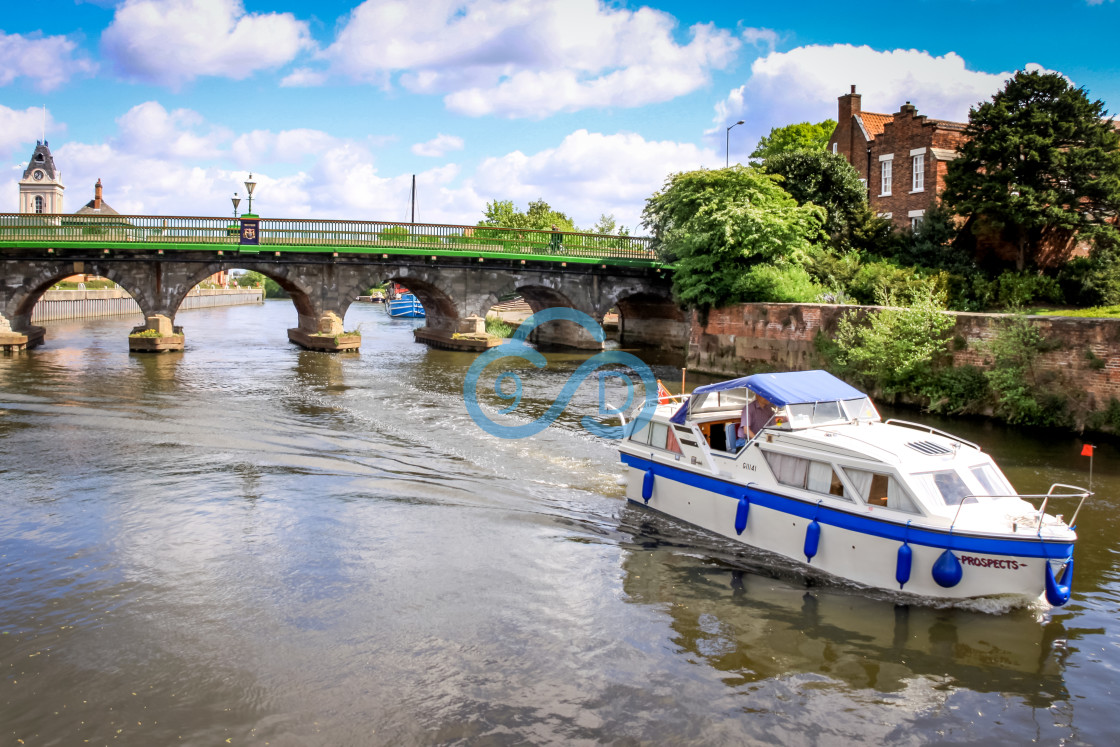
<point>324,268</point>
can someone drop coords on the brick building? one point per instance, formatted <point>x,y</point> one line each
<point>901,157</point>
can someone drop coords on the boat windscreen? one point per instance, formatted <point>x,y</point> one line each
<point>729,399</point>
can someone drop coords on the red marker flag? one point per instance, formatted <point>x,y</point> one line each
<point>662,394</point>
<point>1087,450</point>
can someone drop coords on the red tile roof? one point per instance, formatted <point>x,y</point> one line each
<point>873,122</point>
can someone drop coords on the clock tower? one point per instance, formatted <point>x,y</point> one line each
<point>40,189</point>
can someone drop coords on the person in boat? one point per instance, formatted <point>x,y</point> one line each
<point>756,414</point>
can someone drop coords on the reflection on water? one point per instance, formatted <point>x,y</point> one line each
<point>249,542</point>
<point>755,626</point>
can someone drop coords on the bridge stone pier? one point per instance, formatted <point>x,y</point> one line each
<point>323,286</point>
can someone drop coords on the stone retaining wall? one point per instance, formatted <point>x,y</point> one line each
<point>79,304</point>
<point>748,338</point>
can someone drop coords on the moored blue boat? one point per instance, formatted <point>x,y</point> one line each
<point>407,306</point>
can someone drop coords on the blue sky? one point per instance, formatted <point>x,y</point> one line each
<point>334,104</point>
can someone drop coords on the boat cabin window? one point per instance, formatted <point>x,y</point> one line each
<point>992,481</point>
<point>807,474</point>
<point>662,437</point>
<point>860,409</point>
<point>947,486</point>
<point>878,489</point>
<point>641,435</point>
<point>832,412</point>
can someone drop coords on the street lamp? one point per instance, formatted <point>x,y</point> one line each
<point>249,185</point>
<point>236,201</point>
<point>727,145</point>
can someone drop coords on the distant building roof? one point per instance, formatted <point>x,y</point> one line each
<point>89,209</point>
<point>947,125</point>
<point>96,206</point>
<point>41,159</point>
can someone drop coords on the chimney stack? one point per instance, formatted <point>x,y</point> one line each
<point>97,195</point>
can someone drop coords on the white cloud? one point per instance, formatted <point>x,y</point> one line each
<point>760,37</point>
<point>527,58</point>
<point>286,146</point>
<point>49,61</point>
<point>304,77</point>
<point>150,130</point>
<point>803,84</point>
<point>22,128</point>
<point>171,42</point>
<point>177,163</point>
<point>438,146</point>
<point>590,174</point>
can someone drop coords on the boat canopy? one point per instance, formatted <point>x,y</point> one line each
<point>790,388</point>
<point>783,390</point>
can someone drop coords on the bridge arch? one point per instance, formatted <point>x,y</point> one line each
<point>432,289</point>
<point>300,295</point>
<point>16,313</point>
<point>650,318</point>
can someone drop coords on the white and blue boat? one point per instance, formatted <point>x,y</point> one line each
<point>825,482</point>
<point>405,306</point>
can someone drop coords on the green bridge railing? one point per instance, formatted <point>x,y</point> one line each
<point>278,235</point>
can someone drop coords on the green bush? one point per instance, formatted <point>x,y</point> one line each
<point>957,391</point>
<point>1023,394</point>
<point>895,348</point>
<point>1016,290</point>
<point>790,284</point>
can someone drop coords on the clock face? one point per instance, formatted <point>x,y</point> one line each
<point>38,175</point>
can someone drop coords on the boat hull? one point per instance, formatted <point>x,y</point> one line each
<point>857,547</point>
<point>405,307</point>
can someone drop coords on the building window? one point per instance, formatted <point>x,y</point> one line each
<point>919,172</point>
<point>916,218</point>
<point>38,204</point>
<point>834,146</point>
<point>885,173</point>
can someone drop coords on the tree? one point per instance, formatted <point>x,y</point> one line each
<point>802,136</point>
<point>722,227</point>
<point>824,179</point>
<point>540,215</point>
<point>1040,164</point>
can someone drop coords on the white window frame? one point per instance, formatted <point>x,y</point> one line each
<point>917,170</point>
<point>886,174</point>
<point>39,204</point>
<point>916,217</point>
<point>835,146</point>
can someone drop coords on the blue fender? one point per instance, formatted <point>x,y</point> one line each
<point>812,539</point>
<point>1057,592</point>
<point>741,514</point>
<point>647,486</point>
<point>902,564</point>
<point>947,570</point>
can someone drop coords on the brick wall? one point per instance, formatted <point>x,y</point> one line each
<point>750,338</point>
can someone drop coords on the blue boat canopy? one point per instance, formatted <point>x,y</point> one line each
<point>790,388</point>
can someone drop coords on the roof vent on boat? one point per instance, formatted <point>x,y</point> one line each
<point>929,447</point>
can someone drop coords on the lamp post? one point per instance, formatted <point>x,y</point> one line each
<point>727,145</point>
<point>249,185</point>
<point>236,201</point>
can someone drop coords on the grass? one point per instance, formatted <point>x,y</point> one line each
<point>1097,312</point>
<point>152,333</point>
<point>495,327</point>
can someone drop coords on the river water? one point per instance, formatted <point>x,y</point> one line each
<point>246,543</point>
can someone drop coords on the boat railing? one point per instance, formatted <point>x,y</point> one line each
<point>1078,492</point>
<point>637,410</point>
<point>930,429</point>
